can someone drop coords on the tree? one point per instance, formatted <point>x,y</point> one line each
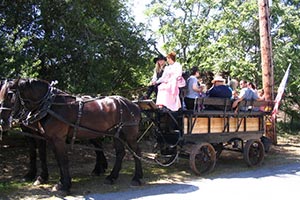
<point>224,36</point>
<point>88,46</point>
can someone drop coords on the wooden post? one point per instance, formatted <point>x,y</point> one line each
<point>266,62</point>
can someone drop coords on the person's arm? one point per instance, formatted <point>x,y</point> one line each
<point>257,98</point>
<point>163,76</point>
<point>236,102</point>
<point>154,77</point>
<point>196,88</point>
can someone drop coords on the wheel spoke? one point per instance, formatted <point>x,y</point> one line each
<point>254,152</point>
<point>202,158</point>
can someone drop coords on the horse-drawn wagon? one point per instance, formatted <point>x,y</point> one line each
<point>200,134</point>
<point>203,133</point>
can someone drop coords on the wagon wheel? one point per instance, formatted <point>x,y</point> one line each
<point>165,156</point>
<point>254,152</point>
<point>202,158</point>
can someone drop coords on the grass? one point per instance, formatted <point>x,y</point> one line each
<point>11,186</point>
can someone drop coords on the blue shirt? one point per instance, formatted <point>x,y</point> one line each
<point>248,94</point>
<point>192,80</point>
<point>222,91</point>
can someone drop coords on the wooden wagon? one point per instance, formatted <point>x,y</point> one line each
<point>212,126</point>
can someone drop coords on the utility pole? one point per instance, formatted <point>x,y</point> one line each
<point>267,62</point>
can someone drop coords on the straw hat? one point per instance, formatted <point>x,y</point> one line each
<point>218,79</point>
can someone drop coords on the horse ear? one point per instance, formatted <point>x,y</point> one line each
<point>15,82</point>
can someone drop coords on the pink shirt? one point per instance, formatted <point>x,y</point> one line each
<point>168,91</point>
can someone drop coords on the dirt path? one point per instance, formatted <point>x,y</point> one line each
<point>13,164</point>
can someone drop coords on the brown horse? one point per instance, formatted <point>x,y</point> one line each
<point>36,143</point>
<point>59,116</point>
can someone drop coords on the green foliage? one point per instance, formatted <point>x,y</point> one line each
<point>94,46</point>
<point>90,46</point>
<point>224,36</point>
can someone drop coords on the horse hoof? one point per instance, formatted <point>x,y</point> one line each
<point>59,188</point>
<point>39,180</point>
<point>28,178</point>
<point>136,183</point>
<point>97,172</point>
<point>61,193</point>
<point>109,181</point>
<point>56,187</point>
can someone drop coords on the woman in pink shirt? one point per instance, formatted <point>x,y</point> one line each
<point>168,90</point>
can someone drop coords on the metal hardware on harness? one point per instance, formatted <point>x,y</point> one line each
<point>80,104</point>
<point>120,125</point>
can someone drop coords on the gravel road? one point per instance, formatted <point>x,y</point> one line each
<point>278,182</point>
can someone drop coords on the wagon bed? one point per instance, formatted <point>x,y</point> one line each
<point>204,132</point>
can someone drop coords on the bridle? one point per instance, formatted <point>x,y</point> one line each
<point>11,119</point>
<point>19,112</point>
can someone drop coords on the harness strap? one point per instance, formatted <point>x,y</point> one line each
<point>120,127</point>
<point>80,104</point>
<point>106,133</point>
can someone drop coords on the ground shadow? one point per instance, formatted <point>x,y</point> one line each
<point>157,189</point>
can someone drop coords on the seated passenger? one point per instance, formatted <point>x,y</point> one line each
<point>233,84</point>
<point>246,93</point>
<point>193,89</point>
<point>219,89</point>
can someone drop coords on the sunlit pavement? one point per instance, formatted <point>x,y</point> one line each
<point>280,182</point>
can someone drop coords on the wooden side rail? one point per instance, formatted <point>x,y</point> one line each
<point>254,106</point>
<point>212,105</point>
<point>248,116</point>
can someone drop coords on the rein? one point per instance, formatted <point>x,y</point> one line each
<point>42,138</point>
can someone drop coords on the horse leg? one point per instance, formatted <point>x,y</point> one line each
<point>31,174</point>
<point>120,153</point>
<point>42,148</point>
<point>138,173</point>
<point>60,152</point>
<point>101,162</point>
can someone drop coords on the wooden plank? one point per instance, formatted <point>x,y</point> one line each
<point>233,124</point>
<point>222,137</point>
<point>217,125</point>
<point>252,124</point>
<point>201,125</point>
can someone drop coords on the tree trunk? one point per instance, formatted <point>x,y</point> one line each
<point>266,61</point>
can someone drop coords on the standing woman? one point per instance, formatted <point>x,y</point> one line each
<point>160,63</point>
<point>168,90</point>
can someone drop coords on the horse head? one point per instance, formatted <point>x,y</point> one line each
<point>32,92</point>
<point>7,103</point>
<point>20,97</point>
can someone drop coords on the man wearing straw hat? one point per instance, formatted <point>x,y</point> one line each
<point>219,89</point>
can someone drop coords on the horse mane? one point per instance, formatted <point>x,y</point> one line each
<point>25,82</point>
<point>33,87</point>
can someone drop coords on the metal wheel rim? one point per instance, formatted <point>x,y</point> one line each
<point>202,158</point>
<point>254,153</point>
